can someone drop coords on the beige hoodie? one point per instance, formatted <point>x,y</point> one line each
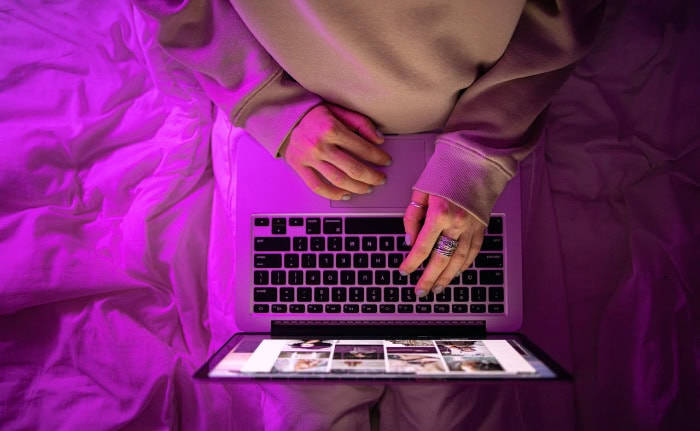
<point>479,71</point>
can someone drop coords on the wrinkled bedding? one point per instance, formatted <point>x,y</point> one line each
<point>115,228</point>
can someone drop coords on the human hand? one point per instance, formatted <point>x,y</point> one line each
<point>442,217</point>
<point>329,149</point>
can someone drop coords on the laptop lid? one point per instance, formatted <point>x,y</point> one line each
<point>271,198</point>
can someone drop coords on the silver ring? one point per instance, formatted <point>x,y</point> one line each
<point>418,205</point>
<point>445,246</point>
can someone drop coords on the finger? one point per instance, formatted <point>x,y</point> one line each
<point>455,264</point>
<point>435,222</point>
<point>414,216</point>
<point>358,146</point>
<point>340,179</point>
<point>313,180</point>
<point>357,122</point>
<point>353,168</point>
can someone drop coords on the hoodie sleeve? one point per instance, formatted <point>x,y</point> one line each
<point>237,73</point>
<point>496,121</point>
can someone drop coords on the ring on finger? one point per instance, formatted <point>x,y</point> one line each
<point>419,205</point>
<point>445,246</point>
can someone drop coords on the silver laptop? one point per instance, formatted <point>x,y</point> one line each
<point>301,258</point>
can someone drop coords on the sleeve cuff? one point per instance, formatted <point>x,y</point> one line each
<point>465,177</point>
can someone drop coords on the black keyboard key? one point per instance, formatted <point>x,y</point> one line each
<point>313,277</point>
<point>332,308</point>
<point>304,294</point>
<point>369,308</point>
<point>496,294</point>
<point>445,296</point>
<point>489,260</point>
<point>461,294</point>
<point>430,297</point>
<point>477,308</point>
<point>459,308</point>
<point>387,308</point>
<point>279,229</point>
<point>326,260</point>
<point>441,308</point>
<point>456,281</point>
<point>365,278</point>
<point>352,243</point>
<point>261,278</point>
<point>351,308</point>
<point>296,221</point>
<point>496,308</point>
<point>322,294</point>
<point>377,260</point>
<point>374,294</point>
<point>369,243</point>
<point>374,225</point>
<point>335,243</point>
<point>297,308</point>
<point>491,276</point>
<point>267,243</point>
<point>423,308</point>
<point>391,294</point>
<point>262,221</point>
<point>469,277</point>
<point>265,294</point>
<point>343,260</point>
<point>408,294</point>
<point>357,294</point>
<point>279,308</point>
<point>478,294</point>
<point>401,245</point>
<point>492,243</point>
<point>268,260</point>
<point>398,279</point>
<point>360,260</point>
<point>339,294</point>
<point>308,260</point>
<point>347,278</point>
<point>291,260</point>
<point>330,277</point>
<point>300,243</point>
<point>386,243</point>
<point>382,278</point>
<point>317,243</point>
<point>296,277</point>
<point>394,260</point>
<point>495,226</point>
<point>278,278</point>
<point>314,308</point>
<point>287,294</point>
<point>415,276</point>
<point>261,308</point>
<point>405,308</point>
<point>332,226</point>
<point>313,226</point>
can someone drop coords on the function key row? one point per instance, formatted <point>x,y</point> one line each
<point>350,225</point>
<point>380,308</point>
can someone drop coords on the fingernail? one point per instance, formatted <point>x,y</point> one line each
<point>379,133</point>
<point>388,163</point>
<point>403,273</point>
<point>369,190</point>
<point>383,181</point>
<point>345,197</point>
<point>438,289</point>
<point>421,293</point>
<point>407,239</point>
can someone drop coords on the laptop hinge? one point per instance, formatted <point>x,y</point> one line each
<point>379,329</point>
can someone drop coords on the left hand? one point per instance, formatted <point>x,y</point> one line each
<point>442,217</point>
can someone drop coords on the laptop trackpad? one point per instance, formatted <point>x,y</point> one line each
<point>409,156</point>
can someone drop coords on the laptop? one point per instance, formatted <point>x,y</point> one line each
<point>317,281</point>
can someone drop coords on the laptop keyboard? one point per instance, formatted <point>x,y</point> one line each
<point>349,264</point>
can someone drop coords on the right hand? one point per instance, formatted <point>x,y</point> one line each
<point>329,149</point>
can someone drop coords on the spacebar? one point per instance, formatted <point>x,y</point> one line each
<point>374,225</point>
